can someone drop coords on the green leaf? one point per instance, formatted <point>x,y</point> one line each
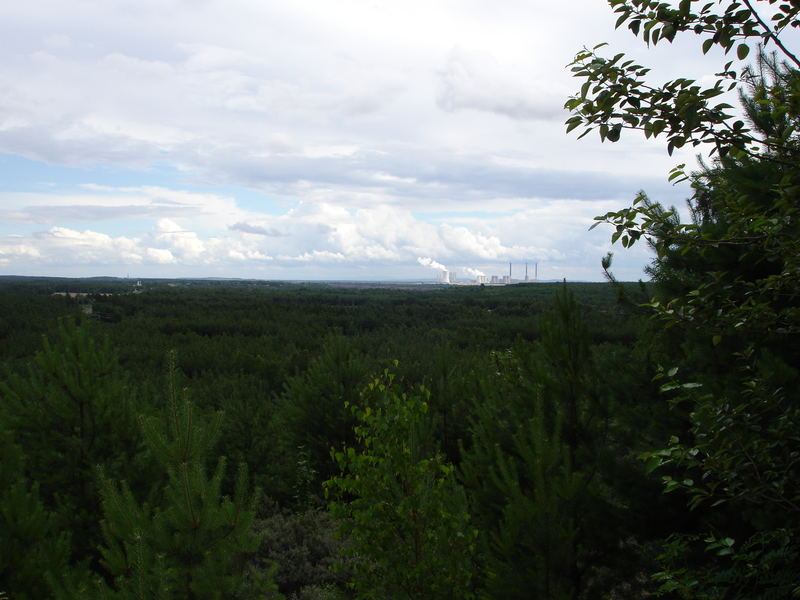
<point>572,123</point>
<point>652,463</point>
<point>742,51</point>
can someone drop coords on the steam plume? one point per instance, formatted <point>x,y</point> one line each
<point>429,262</point>
<point>473,272</point>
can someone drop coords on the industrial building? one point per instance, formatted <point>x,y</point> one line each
<point>449,277</point>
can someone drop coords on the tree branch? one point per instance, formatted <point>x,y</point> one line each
<point>771,34</point>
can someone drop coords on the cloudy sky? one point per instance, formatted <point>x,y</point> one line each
<point>312,139</point>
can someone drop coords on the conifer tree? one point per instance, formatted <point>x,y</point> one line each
<point>33,549</point>
<point>311,409</point>
<point>535,546</point>
<point>191,543</point>
<point>71,411</point>
<point>538,472</point>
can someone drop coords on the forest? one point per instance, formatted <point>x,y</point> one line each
<point>195,439</point>
<point>311,441</point>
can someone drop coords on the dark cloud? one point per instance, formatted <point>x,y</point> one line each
<point>418,179</point>
<point>256,229</point>
<point>91,213</point>
<point>427,180</point>
<point>50,144</point>
<point>475,82</point>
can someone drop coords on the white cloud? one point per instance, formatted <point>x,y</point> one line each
<point>180,243</point>
<point>13,249</point>
<point>213,230</point>
<point>470,80</point>
<point>380,132</point>
<point>248,255</point>
<point>323,256</point>
<point>62,245</point>
<point>160,256</point>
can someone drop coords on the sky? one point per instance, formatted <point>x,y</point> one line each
<point>308,140</point>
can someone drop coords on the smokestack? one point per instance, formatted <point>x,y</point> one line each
<point>526,271</point>
<point>509,272</point>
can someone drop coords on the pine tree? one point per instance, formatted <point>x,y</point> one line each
<point>311,410</point>
<point>535,547</point>
<point>33,549</point>
<point>540,471</point>
<point>191,543</point>
<point>72,411</point>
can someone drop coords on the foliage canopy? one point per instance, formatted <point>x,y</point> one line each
<point>728,282</point>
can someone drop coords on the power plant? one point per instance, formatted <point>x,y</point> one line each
<point>472,276</point>
<point>508,279</point>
